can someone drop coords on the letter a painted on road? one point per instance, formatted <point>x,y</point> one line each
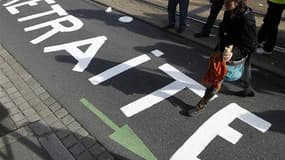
<point>83,58</point>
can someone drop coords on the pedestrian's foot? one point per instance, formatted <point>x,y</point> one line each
<point>180,29</point>
<point>201,34</point>
<point>200,107</point>
<point>261,51</point>
<point>168,26</point>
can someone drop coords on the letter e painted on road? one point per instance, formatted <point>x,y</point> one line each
<point>83,58</point>
<point>12,7</point>
<point>218,125</point>
<point>56,27</point>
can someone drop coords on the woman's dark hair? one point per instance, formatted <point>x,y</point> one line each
<point>241,5</point>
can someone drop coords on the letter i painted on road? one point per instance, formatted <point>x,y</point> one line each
<point>125,136</point>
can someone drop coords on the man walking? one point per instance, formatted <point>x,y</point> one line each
<point>183,10</point>
<point>216,7</point>
<point>267,34</point>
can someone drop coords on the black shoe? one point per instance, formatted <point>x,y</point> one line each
<point>170,26</point>
<point>180,29</point>
<point>201,34</point>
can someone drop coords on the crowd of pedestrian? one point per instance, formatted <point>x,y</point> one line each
<point>238,30</point>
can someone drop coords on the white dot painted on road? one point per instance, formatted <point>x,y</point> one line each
<point>108,10</point>
<point>157,52</point>
<point>126,19</point>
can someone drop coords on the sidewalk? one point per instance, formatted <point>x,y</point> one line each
<point>33,126</point>
<point>154,13</point>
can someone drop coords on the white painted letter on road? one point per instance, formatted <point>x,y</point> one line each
<point>83,58</point>
<point>218,125</point>
<point>56,27</point>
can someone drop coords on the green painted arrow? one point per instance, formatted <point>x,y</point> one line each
<point>125,136</point>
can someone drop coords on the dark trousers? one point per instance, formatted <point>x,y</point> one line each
<point>216,7</point>
<point>269,29</point>
<point>246,77</point>
<point>183,9</point>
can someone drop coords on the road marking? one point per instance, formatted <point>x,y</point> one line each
<point>124,135</point>
<point>181,81</point>
<point>218,125</point>
<point>157,52</point>
<point>56,26</point>
<point>83,58</point>
<point>114,71</point>
<point>55,9</point>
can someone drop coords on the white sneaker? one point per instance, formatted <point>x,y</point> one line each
<point>261,51</point>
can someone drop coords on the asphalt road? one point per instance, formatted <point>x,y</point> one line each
<point>161,127</point>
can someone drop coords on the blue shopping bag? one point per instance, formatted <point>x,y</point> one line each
<point>235,69</point>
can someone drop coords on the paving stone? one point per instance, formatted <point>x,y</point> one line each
<point>9,105</point>
<point>62,133</point>
<point>77,149</point>
<point>50,119</point>
<point>81,133</point>
<point>88,141</point>
<point>17,117</point>
<point>45,112</point>
<point>69,141</point>
<point>73,126</point>
<point>2,94</point>
<point>19,100</point>
<point>57,126</point>
<point>11,90</point>
<point>44,96</point>
<point>67,119</point>
<point>85,156</point>
<point>39,90</point>
<point>24,106</point>
<point>105,156</point>
<point>39,107</point>
<point>34,101</point>
<point>49,101</point>
<point>21,123</point>
<point>7,85</point>
<point>28,94</point>
<point>33,118</point>
<point>13,111</point>
<point>32,83</point>
<point>15,95</point>
<point>61,113</point>
<point>40,129</point>
<point>29,112</point>
<point>5,99</point>
<point>22,87</point>
<point>96,150</point>
<point>54,107</point>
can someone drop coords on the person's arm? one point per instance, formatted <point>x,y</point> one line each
<point>248,35</point>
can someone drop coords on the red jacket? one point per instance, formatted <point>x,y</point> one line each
<point>216,72</point>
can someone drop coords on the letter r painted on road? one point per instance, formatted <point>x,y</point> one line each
<point>218,125</point>
<point>83,58</point>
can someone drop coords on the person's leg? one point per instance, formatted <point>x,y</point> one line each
<point>246,78</point>
<point>183,11</point>
<point>276,13</point>
<point>263,31</point>
<point>209,93</point>
<point>215,9</point>
<point>171,8</point>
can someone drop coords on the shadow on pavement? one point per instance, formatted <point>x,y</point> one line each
<point>276,118</point>
<point>27,147</point>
